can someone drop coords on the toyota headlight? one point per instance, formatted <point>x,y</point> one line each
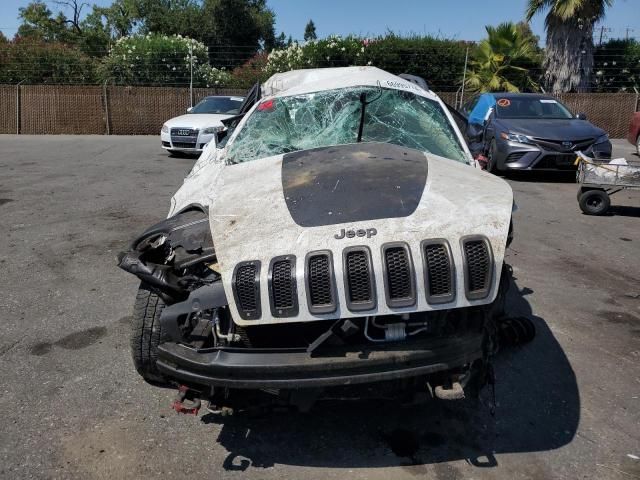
<point>165,129</point>
<point>515,137</point>
<point>210,130</point>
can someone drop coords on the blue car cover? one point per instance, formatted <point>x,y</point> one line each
<point>479,112</point>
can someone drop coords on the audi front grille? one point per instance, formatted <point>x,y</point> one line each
<point>246,289</point>
<point>283,292</point>
<point>321,294</point>
<point>359,283</point>
<point>478,267</point>
<point>439,271</point>
<point>399,278</point>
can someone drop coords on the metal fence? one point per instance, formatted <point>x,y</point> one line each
<point>117,110</point>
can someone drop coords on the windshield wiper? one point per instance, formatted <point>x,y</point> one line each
<point>363,108</point>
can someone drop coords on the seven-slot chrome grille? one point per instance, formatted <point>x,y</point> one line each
<point>358,277</point>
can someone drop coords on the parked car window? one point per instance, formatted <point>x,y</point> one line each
<point>531,107</point>
<point>332,117</point>
<point>220,105</point>
<point>468,105</point>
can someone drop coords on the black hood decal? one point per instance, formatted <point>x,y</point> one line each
<point>352,183</point>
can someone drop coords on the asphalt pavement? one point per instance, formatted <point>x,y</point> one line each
<point>73,406</point>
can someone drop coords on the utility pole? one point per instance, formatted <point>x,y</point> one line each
<point>603,30</point>
<point>628,30</point>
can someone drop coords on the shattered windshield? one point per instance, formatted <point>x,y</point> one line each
<point>332,117</point>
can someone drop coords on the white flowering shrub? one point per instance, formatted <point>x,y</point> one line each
<point>156,59</point>
<point>209,76</point>
<point>333,51</point>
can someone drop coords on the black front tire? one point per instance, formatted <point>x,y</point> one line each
<point>491,164</point>
<point>146,334</point>
<point>594,202</point>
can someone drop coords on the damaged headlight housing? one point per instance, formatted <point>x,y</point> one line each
<point>210,130</point>
<point>515,137</point>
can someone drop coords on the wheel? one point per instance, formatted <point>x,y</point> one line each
<point>491,157</point>
<point>594,202</point>
<point>146,334</point>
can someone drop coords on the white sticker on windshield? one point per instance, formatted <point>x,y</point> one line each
<point>547,100</point>
<point>237,99</point>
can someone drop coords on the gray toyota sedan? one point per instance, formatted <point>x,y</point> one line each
<point>527,131</point>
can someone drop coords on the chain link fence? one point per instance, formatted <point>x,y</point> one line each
<point>121,110</point>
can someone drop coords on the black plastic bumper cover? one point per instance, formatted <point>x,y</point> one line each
<point>281,368</point>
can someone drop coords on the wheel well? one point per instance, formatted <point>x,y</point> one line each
<point>194,207</point>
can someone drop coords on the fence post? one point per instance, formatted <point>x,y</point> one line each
<point>18,107</point>
<point>464,76</point>
<point>106,107</point>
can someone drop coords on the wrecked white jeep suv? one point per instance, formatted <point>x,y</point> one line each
<point>337,233</point>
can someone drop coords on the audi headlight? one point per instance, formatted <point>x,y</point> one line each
<point>602,139</point>
<point>165,129</point>
<point>515,137</point>
<point>210,130</point>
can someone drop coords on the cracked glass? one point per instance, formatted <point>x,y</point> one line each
<point>332,117</point>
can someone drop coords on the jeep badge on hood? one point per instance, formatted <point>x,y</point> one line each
<point>369,232</point>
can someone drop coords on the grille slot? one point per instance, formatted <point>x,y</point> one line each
<point>282,286</point>
<point>439,271</point>
<point>246,289</point>
<point>399,278</point>
<point>359,281</point>
<point>321,294</point>
<point>479,263</point>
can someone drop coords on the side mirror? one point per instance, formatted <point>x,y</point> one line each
<point>220,135</point>
<point>581,116</point>
<point>189,109</point>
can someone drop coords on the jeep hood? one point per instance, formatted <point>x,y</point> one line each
<point>300,202</point>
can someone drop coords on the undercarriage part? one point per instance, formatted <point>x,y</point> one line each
<point>186,401</point>
<point>173,256</point>
<point>200,300</point>
<point>452,392</point>
<point>513,331</point>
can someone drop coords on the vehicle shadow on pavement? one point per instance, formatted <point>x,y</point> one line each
<point>623,211</point>
<point>531,176</point>
<point>538,409</point>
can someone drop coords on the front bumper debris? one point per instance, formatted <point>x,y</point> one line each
<point>296,368</point>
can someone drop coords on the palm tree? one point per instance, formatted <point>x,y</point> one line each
<point>502,61</point>
<point>569,52</point>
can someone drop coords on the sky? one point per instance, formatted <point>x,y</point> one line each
<point>465,21</point>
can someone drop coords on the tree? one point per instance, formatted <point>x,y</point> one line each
<point>234,30</point>
<point>310,31</point>
<point>503,60</point>
<point>569,52</point>
<point>38,23</point>
<point>617,66</point>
